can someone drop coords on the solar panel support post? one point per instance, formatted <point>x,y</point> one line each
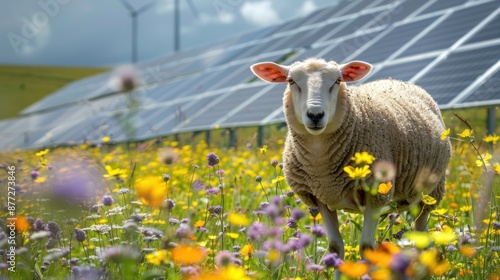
<point>491,119</point>
<point>207,137</point>
<point>176,26</point>
<point>260,136</point>
<point>232,137</point>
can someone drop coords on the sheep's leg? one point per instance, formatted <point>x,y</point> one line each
<point>422,219</point>
<point>371,216</point>
<point>335,241</point>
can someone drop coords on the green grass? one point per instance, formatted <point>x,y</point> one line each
<point>21,86</point>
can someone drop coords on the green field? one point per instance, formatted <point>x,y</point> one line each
<point>21,86</point>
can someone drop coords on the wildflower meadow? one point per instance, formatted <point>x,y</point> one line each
<point>162,210</point>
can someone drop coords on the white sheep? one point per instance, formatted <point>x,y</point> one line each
<point>328,122</point>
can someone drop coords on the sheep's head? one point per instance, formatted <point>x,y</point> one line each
<point>314,85</point>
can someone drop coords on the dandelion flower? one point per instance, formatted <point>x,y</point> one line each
<point>466,133</point>
<point>483,159</point>
<point>188,255</point>
<point>434,262</point>
<point>357,172</point>
<point>443,238</point>
<point>42,153</point>
<point>421,240</point>
<point>384,188</point>
<point>429,200</point>
<point>247,250</point>
<point>238,219</point>
<point>492,138</point>
<point>497,168</point>
<point>445,134</point>
<point>278,179</point>
<point>263,150</point>
<point>105,139</point>
<point>467,251</point>
<point>363,157</point>
<point>157,257</point>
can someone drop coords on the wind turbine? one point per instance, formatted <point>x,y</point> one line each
<point>135,13</point>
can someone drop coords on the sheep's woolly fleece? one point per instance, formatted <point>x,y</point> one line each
<point>394,121</point>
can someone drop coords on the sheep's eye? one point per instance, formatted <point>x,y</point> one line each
<point>338,81</point>
<point>291,82</point>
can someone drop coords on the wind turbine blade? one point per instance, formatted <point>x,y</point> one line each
<point>128,6</point>
<point>193,9</point>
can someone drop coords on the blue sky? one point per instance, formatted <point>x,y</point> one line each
<point>98,32</point>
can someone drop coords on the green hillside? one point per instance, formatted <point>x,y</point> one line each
<point>21,86</point>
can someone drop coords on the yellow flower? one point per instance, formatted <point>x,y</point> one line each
<point>105,139</point>
<point>384,188</point>
<point>42,153</point>
<point>465,208</point>
<point>485,158</point>
<point>233,235</point>
<point>427,199</point>
<point>230,272</point>
<point>353,270</point>
<point>279,178</point>
<point>199,223</point>
<point>157,257</point>
<point>114,172</point>
<point>363,157</point>
<point>152,190</point>
<point>238,219</point>
<point>445,134</point>
<point>440,211</point>
<point>357,172</point>
<point>263,150</point>
<point>443,238</point>
<point>21,224</point>
<point>492,138</point>
<point>436,264</point>
<point>466,133</point>
<point>188,255</point>
<point>247,250</point>
<point>421,240</point>
<point>497,168</point>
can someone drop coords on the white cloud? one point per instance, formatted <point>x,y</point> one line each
<point>223,17</point>
<point>259,13</point>
<point>307,7</point>
<point>165,6</point>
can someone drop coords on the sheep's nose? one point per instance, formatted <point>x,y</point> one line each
<point>315,117</point>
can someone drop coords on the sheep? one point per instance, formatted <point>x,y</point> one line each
<point>328,122</point>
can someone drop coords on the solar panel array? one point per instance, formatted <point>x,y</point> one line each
<point>451,48</point>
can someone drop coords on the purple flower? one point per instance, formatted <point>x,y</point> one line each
<point>79,235</point>
<point>183,231</point>
<point>297,214</point>
<point>496,225</point>
<point>315,267</point>
<point>451,248</point>
<point>318,231</point>
<point>55,230</point>
<point>214,191</point>
<point>34,174</point>
<point>215,210</point>
<point>19,159</point>
<point>212,159</point>
<point>256,231</point>
<point>38,225</point>
<point>107,200</point>
<point>398,235</point>
<point>166,177</point>
<point>291,223</point>
<point>304,240</point>
<point>224,258</point>
<point>331,260</point>
<point>399,263</point>
<point>170,204</point>
<point>198,185</point>
<point>314,211</point>
<point>274,162</point>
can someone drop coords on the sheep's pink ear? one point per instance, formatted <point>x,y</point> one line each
<point>270,72</point>
<point>355,70</point>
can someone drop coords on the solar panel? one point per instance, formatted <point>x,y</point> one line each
<point>487,92</point>
<point>440,5</point>
<point>210,86</point>
<point>392,41</point>
<point>489,32</point>
<point>403,71</point>
<point>345,48</point>
<point>451,29</point>
<point>454,74</point>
